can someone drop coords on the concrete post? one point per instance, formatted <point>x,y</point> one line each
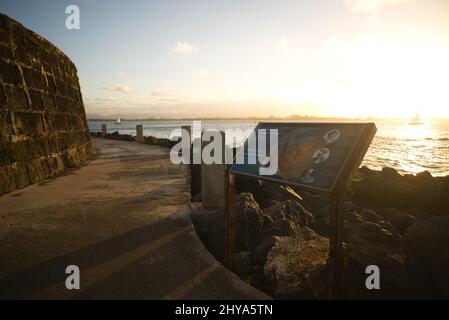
<point>104,130</point>
<point>213,181</point>
<point>139,133</point>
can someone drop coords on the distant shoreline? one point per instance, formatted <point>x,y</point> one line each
<point>290,118</point>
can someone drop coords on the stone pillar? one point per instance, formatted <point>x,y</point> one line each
<point>139,133</point>
<point>104,130</point>
<point>213,181</point>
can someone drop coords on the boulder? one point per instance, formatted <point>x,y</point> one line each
<point>390,173</point>
<point>379,192</point>
<point>395,281</point>
<point>359,224</point>
<point>366,171</point>
<point>426,243</point>
<point>291,210</point>
<point>249,221</point>
<point>443,197</point>
<point>150,140</point>
<point>260,251</point>
<point>424,177</point>
<point>400,220</point>
<point>314,203</point>
<point>265,192</point>
<point>273,191</point>
<point>166,143</point>
<point>369,240</point>
<point>279,227</point>
<point>296,267</point>
<point>424,195</point>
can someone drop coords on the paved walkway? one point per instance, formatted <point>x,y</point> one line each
<point>123,219</point>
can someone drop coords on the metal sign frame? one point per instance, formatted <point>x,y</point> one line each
<point>336,193</point>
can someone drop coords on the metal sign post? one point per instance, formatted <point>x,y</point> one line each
<point>336,245</point>
<point>230,220</point>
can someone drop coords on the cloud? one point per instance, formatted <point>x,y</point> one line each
<point>170,96</point>
<point>183,47</point>
<point>202,74</point>
<point>123,88</point>
<point>369,6</point>
<point>122,74</point>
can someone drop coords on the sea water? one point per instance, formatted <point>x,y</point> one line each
<point>407,148</point>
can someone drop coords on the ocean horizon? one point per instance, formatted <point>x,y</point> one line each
<point>408,149</point>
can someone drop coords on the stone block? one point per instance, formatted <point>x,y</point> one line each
<point>28,123</point>
<point>5,29</point>
<point>5,51</point>
<point>37,102</point>
<point>16,97</point>
<point>10,73</point>
<point>6,128</point>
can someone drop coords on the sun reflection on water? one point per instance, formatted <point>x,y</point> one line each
<point>410,149</point>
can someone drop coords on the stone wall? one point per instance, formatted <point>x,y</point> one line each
<point>43,127</point>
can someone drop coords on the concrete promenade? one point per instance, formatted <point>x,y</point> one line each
<point>124,220</point>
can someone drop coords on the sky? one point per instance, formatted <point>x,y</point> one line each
<point>222,58</point>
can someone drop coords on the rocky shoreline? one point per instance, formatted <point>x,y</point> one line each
<point>398,223</point>
<point>162,142</point>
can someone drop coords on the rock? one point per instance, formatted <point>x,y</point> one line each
<point>273,191</point>
<point>443,197</point>
<point>280,227</point>
<point>360,225</point>
<point>314,202</point>
<point>424,177</point>
<point>249,221</point>
<point>265,192</point>
<point>296,266</point>
<point>395,280</point>
<point>150,140</point>
<point>400,220</point>
<point>426,243</point>
<point>390,173</point>
<point>417,213</point>
<point>369,240</point>
<point>379,192</point>
<point>260,251</point>
<point>424,195</point>
<point>291,210</point>
<point>366,171</point>
<point>166,143</point>
<point>117,136</point>
<point>242,262</point>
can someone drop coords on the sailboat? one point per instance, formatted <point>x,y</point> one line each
<point>416,120</point>
<point>118,121</point>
